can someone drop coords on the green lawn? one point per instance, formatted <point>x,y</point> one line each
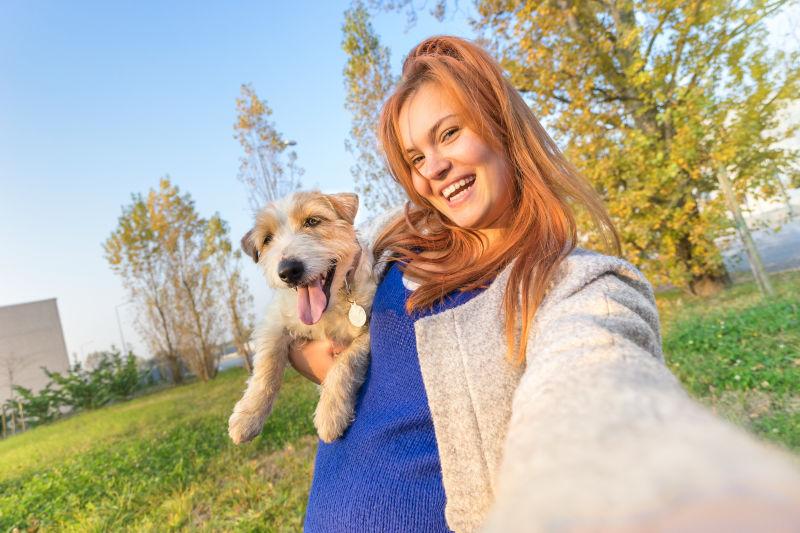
<point>740,354</point>
<point>164,462</point>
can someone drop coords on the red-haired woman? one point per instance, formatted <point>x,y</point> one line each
<point>517,382</point>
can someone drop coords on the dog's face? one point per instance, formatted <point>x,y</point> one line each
<point>306,242</point>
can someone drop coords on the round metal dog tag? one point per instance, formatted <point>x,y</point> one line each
<point>357,315</point>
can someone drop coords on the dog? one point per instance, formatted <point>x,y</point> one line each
<point>309,251</point>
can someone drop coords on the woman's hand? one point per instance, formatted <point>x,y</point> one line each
<point>313,359</point>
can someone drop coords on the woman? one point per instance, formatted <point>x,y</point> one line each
<point>516,382</point>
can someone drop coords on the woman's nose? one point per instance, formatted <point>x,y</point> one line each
<point>436,167</point>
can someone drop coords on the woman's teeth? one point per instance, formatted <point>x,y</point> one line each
<point>453,190</point>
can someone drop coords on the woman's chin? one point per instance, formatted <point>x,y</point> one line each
<point>469,214</point>
<point>467,220</point>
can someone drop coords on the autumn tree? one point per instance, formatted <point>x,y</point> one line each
<point>135,251</point>
<point>159,249</point>
<point>368,80</point>
<point>268,168</point>
<point>234,292</point>
<point>195,282</point>
<point>653,100</point>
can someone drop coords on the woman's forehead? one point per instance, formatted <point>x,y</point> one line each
<point>423,109</point>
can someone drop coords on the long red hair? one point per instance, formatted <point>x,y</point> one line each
<point>546,186</point>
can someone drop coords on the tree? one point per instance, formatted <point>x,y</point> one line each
<point>159,249</point>
<point>368,80</point>
<point>199,319</point>
<point>268,170</point>
<point>234,290</point>
<point>136,252</point>
<point>653,99</point>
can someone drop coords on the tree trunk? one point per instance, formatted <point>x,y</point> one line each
<point>240,339</point>
<point>247,358</point>
<point>170,356</point>
<point>212,365</point>
<point>756,265</point>
<point>206,357</point>
<point>710,282</point>
<point>21,415</point>
<point>202,367</point>
<point>174,365</point>
<point>244,353</point>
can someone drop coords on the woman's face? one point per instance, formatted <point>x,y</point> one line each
<point>452,167</point>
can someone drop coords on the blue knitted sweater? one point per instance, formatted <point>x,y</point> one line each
<point>384,473</point>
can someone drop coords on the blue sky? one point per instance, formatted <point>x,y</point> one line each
<point>100,99</point>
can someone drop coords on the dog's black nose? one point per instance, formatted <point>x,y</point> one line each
<point>291,271</point>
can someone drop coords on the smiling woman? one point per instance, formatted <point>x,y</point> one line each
<point>488,185</point>
<point>521,385</point>
<point>456,171</point>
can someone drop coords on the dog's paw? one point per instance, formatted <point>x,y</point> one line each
<point>244,427</point>
<point>331,426</point>
<point>328,432</point>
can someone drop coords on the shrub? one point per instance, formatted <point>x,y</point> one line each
<point>111,378</point>
<point>38,408</point>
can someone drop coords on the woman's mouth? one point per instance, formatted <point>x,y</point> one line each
<point>458,191</point>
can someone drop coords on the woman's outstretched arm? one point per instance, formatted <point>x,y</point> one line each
<point>602,435</point>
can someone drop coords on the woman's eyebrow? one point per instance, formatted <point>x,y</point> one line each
<point>432,130</point>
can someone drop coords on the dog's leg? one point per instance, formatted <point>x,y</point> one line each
<point>337,402</point>
<point>249,413</point>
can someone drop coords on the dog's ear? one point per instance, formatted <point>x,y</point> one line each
<point>345,204</point>
<point>248,246</point>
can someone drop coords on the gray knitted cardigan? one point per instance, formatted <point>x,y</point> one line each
<point>593,431</point>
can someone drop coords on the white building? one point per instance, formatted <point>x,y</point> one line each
<point>30,338</point>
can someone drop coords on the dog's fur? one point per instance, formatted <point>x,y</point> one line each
<point>315,229</point>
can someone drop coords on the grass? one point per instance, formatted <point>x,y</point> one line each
<point>740,354</point>
<point>163,461</point>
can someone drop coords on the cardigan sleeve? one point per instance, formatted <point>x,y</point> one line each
<point>602,435</point>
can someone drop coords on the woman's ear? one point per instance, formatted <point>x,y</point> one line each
<point>345,204</point>
<point>248,246</point>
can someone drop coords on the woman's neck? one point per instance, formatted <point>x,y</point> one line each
<point>492,235</point>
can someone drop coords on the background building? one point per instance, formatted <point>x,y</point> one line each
<point>30,338</point>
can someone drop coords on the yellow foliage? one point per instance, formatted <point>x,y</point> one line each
<point>655,97</point>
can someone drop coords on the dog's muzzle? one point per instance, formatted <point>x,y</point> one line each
<point>313,295</point>
<point>291,271</point>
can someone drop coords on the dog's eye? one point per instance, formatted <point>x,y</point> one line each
<point>267,239</point>
<point>311,222</point>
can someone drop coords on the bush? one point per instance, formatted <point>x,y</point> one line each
<point>112,378</point>
<point>38,408</point>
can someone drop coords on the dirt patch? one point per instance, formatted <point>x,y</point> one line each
<point>742,407</point>
<point>282,463</point>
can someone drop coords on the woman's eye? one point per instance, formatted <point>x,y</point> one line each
<point>417,159</point>
<point>449,133</point>
<point>311,222</point>
<point>268,239</point>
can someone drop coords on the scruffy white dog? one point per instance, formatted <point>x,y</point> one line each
<point>308,249</point>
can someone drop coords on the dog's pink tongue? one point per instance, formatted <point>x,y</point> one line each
<point>311,303</point>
